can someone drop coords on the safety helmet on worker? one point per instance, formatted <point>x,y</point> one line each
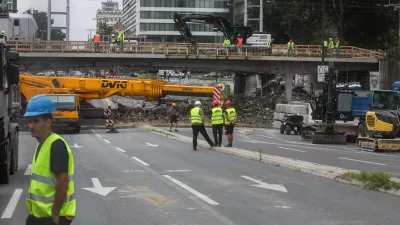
<point>238,35</point>
<point>174,104</point>
<point>215,103</point>
<point>197,103</point>
<point>3,32</point>
<point>228,103</point>
<point>39,105</point>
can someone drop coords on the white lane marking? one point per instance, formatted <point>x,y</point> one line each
<point>264,136</point>
<point>92,130</point>
<point>120,149</point>
<point>291,149</point>
<point>98,135</point>
<point>275,187</point>
<point>283,207</point>
<point>107,141</point>
<point>28,170</point>
<point>135,158</point>
<point>8,212</point>
<point>191,190</point>
<point>363,161</point>
<point>178,170</point>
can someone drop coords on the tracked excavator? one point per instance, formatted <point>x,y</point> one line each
<point>379,129</point>
<point>326,133</point>
<point>70,94</point>
<point>230,31</point>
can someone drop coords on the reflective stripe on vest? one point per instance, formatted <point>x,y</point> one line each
<point>195,115</point>
<point>42,189</point>
<point>231,113</point>
<point>217,117</point>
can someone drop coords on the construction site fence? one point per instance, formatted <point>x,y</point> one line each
<point>166,48</point>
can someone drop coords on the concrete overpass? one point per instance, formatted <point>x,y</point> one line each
<point>36,56</point>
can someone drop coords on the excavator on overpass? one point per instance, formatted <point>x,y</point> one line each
<point>230,31</point>
<point>70,94</point>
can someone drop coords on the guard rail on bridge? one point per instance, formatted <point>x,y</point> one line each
<point>186,49</point>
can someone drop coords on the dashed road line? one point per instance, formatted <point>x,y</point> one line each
<point>28,170</point>
<point>140,161</point>
<point>120,149</point>
<point>12,204</point>
<point>178,170</point>
<point>107,141</point>
<point>362,161</point>
<point>98,135</point>
<point>291,149</point>
<point>191,190</point>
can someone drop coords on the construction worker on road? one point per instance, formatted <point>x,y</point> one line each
<point>3,36</point>
<point>230,120</point>
<point>290,46</point>
<point>217,121</point>
<point>51,197</point>
<point>173,117</point>
<point>197,119</point>
<point>96,41</point>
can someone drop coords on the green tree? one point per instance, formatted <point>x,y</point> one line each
<point>104,29</point>
<point>41,20</point>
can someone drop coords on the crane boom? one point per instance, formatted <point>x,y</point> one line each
<point>70,94</point>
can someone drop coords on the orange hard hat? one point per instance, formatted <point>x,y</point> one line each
<point>215,102</point>
<point>228,102</point>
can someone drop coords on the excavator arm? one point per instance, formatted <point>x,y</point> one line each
<point>229,31</point>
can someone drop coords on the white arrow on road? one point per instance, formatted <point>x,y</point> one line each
<point>98,189</point>
<point>76,146</point>
<point>275,187</point>
<point>150,145</point>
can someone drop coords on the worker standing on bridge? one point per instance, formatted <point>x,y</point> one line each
<point>3,36</point>
<point>197,119</point>
<point>217,120</point>
<point>337,47</point>
<point>51,197</point>
<point>96,41</point>
<point>290,46</point>
<point>227,44</point>
<point>173,117</point>
<point>230,120</point>
<point>239,44</point>
<point>331,46</point>
<point>325,47</point>
<point>121,39</point>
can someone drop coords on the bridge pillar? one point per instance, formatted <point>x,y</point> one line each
<point>289,86</point>
<point>239,84</point>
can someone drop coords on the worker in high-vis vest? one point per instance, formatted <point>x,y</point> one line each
<point>217,121</point>
<point>337,45</point>
<point>197,119</point>
<point>227,44</point>
<point>96,41</point>
<point>239,44</point>
<point>230,121</point>
<point>51,194</point>
<point>290,46</point>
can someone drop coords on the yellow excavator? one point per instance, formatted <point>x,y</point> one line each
<point>71,94</point>
<point>379,129</point>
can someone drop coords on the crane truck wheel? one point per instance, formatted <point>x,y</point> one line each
<point>14,154</point>
<point>5,168</point>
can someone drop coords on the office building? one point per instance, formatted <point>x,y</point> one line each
<point>110,14</point>
<point>154,19</point>
<point>8,5</point>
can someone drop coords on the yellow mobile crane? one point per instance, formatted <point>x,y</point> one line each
<point>70,93</point>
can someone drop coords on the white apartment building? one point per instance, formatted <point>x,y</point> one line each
<point>110,14</point>
<point>154,19</point>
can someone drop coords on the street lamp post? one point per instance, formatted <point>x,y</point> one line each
<point>322,32</point>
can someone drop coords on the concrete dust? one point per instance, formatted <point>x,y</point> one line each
<point>146,194</point>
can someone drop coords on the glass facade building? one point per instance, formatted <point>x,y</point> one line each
<point>154,19</point>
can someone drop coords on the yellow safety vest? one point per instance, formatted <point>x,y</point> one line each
<point>232,114</point>
<point>195,116</point>
<point>227,43</point>
<point>42,188</point>
<point>217,117</point>
<point>290,45</point>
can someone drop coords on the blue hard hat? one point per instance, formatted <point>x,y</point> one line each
<point>238,35</point>
<point>39,105</point>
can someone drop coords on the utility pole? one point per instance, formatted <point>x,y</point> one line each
<point>49,20</point>
<point>261,16</point>
<point>245,12</point>
<point>322,32</point>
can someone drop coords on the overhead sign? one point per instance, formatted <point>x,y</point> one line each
<point>321,73</point>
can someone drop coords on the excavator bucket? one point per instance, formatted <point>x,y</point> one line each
<point>378,144</point>
<point>321,138</point>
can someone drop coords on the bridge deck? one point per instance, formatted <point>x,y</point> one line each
<point>167,50</point>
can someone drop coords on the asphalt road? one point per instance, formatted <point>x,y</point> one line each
<point>161,181</point>
<point>291,146</point>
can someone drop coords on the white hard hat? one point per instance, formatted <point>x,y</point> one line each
<point>197,103</point>
<point>3,32</point>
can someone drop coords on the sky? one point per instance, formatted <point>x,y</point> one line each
<point>82,14</point>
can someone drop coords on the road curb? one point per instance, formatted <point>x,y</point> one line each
<point>330,172</point>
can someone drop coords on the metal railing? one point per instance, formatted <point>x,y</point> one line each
<point>216,49</point>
